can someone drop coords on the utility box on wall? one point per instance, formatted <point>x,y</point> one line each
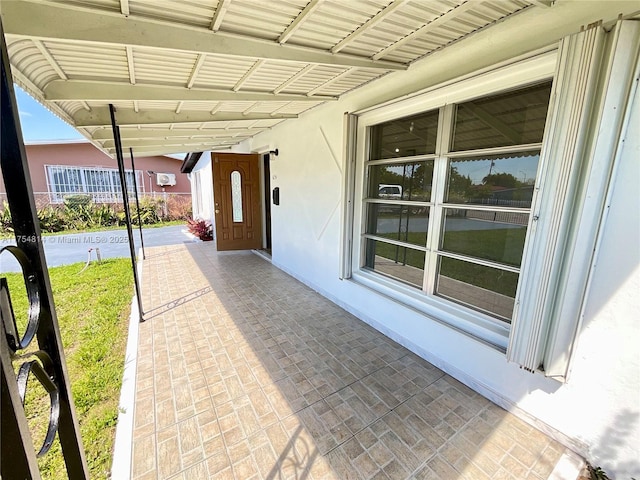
<point>165,179</point>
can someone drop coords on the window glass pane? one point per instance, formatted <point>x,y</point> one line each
<point>493,179</point>
<point>512,118</point>
<point>400,263</point>
<point>115,181</point>
<point>496,236</point>
<point>236,196</point>
<point>402,181</point>
<point>405,137</point>
<point>406,223</point>
<point>488,289</point>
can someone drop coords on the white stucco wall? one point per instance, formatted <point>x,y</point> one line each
<point>606,366</point>
<point>598,410</point>
<point>203,170</point>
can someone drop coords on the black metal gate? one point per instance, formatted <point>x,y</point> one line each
<point>45,364</point>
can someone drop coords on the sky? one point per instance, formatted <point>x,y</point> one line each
<point>38,123</point>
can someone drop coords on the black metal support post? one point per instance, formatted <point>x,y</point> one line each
<point>125,203</point>
<point>135,191</point>
<point>47,364</point>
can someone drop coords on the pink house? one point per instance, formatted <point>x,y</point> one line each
<point>71,167</point>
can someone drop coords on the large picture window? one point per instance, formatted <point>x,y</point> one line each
<point>103,184</point>
<point>448,196</point>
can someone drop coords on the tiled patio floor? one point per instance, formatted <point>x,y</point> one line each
<point>245,373</point>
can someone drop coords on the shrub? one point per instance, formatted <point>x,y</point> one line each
<point>51,219</point>
<point>150,211</point>
<point>179,207</point>
<point>5,218</point>
<point>77,200</point>
<point>77,216</point>
<point>104,216</point>
<point>79,213</point>
<point>200,228</point>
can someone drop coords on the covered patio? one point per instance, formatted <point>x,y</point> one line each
<point>244,372</point>
<point>240,371</point>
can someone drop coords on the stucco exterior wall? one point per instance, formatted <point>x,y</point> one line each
<point>597,412</point>
<point>203,208</point>
<point>85,154</point>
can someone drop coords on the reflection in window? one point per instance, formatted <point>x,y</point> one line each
<point>488,289</point>
<point>405,137</point>
<point>402,263</point>
<point>402,181</point>
<point>404,223</point>
<point>479,203</point>
<point>504,180</point>
<point>236,196</point>
<point>487,235</point>
<point>511,118</point>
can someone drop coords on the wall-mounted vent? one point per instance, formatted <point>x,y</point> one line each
<point>165,179</point>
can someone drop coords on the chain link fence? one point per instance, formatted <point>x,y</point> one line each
<point>172,206</point>
<point>80,211</point>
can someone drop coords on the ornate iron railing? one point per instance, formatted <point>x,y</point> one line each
<point>36,352</point>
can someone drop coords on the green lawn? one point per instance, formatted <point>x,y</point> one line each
<point>93,309</point>
<point>500,245</point>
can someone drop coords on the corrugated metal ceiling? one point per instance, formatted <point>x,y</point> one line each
<point>219,71</point>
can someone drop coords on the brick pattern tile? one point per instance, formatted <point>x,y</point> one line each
<point>245,373</point>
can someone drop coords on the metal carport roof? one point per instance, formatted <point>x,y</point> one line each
<point>196,75</point>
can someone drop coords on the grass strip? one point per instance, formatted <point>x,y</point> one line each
<point>93,310</point>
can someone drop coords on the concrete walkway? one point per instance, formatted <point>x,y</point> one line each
<point>73,248</point>
<point>245,373</point>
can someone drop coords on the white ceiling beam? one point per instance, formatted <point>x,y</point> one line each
<point>31,19</point>
<point>99,116</point>
<point>331,81</point>
<point>247,74</point>
<point>52,61</point>
<point>221,9</point>
<point>169,141</point>
<point>153,151</point>
<point>298,75</point>
<point>542,3</point>
<point>299,20</point>
<point>423,30</point>
<point>142,133</point>
<point>124,7</point>
<point>251,108</point>
<point>130,65</point>
<point>372,22</point>
<point>282,107</point>
<point>196,69</point>
<point>97,91</point>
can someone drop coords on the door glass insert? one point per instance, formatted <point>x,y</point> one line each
<point>236,196</point>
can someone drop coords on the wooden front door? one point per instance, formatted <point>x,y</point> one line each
<point>236,193</point>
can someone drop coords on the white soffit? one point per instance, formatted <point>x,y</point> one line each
<point>203,74</point>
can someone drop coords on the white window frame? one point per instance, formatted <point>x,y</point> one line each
<point>110,195</point>
<point>594,83</point>
<point>197,193</point>
<point>535,69</point>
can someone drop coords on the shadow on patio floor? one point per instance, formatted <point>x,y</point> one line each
<point>244,372</point>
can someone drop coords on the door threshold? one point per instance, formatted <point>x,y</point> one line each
<point>264,254</point>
